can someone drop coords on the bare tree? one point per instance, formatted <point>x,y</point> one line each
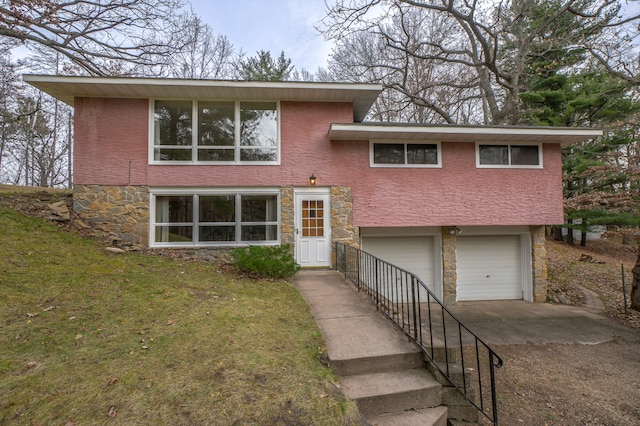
<point>35,132</point>
<point>37,157</point>
<point>474,52</point>
<point>10,88</point>
<point>203,55</point>
<point>96,34</point>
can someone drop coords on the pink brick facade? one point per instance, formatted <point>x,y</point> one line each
<point>112,144</point>
<point>450,210</point>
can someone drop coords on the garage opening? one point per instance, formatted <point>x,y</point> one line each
<point>414,254</point>
<point>491,267</point>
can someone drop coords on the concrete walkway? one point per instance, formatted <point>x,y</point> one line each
<point>350,324</point>
<point>379,368</point>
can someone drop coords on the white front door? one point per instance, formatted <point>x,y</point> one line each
<point>313,227</point>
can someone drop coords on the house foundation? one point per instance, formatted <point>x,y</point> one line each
<point>449,264</point>
<point>120,212</point>
<point>539,261</point>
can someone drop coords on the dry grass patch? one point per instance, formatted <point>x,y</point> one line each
<point>567,273</point>
<point>89,337</point>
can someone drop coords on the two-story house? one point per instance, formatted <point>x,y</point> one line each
<point>219,164</point>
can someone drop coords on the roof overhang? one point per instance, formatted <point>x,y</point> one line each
<point>67,88</point>
<point>453,133</point>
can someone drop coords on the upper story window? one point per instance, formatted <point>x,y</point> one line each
<point>224,132</point>
<point>405,154</point>
<point>509,155</point>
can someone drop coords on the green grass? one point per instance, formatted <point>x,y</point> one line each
<point>10,190</point>
<point>90,337</point>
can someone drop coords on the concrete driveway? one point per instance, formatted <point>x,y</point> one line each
<point>511,322</point>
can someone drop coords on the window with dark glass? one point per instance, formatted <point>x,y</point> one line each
<point>216,219</point>
<point>258,131</point>
<point>508,155</point>
<point>215,131</point>
<point>422,154</point>
<point>524,155</point>
<point>408,154</point>
<point>174,218</point>
<point>216,124</point>
<point>494,154</point>
<point>173,131</point>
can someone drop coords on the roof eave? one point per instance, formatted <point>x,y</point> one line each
<point>451,133</point>
<point>67,88</point>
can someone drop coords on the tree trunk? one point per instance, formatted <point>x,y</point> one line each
<point>557,233</point>
<point>570,232</point>
<point>635,289</point>
<point>584,233</point>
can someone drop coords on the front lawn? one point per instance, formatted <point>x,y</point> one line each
<point>92,337</point>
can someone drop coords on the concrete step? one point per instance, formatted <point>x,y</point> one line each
<point>391,392</point>
<point>462,423</point>
<point>455,372</point>
<point>436,416</point>
<point>368,343</point>
<point>380,363</point>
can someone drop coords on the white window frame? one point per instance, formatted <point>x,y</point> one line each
<point>194,134</point>
<point>509,166</point>
<point>405,143</point>
<point>196,193</point>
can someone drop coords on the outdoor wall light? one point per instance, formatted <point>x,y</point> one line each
<point>455,231</point>
<point>312,179</point>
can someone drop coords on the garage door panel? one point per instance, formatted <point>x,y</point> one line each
<point>489,268</point>
<point>414,254</point>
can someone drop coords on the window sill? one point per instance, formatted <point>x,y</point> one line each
<point>212,163</point>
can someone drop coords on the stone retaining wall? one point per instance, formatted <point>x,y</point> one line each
<point>121,212</point>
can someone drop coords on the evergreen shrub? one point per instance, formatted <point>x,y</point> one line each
<point>266,261</point>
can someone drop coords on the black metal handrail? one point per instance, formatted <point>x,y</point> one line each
<point>413,306</point>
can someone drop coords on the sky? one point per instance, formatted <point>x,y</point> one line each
<point>275,26</point>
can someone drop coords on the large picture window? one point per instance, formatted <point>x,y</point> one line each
<point>504,155</point>
<point>405,154</point>
<point>215,132</point>
<point>209,219</point>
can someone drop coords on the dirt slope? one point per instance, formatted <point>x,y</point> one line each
<point>577,384</point>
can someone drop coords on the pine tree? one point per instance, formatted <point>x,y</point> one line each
<point>264,68</point>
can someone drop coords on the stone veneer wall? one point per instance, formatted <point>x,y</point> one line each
<point>287,216</point>
<point>121,212</point>
<point>449,267</point>
<point>539,260</point>
<point>342,229</point>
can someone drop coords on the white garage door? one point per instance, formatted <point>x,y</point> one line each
<point>489,268</point>
<point>415,254</point>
